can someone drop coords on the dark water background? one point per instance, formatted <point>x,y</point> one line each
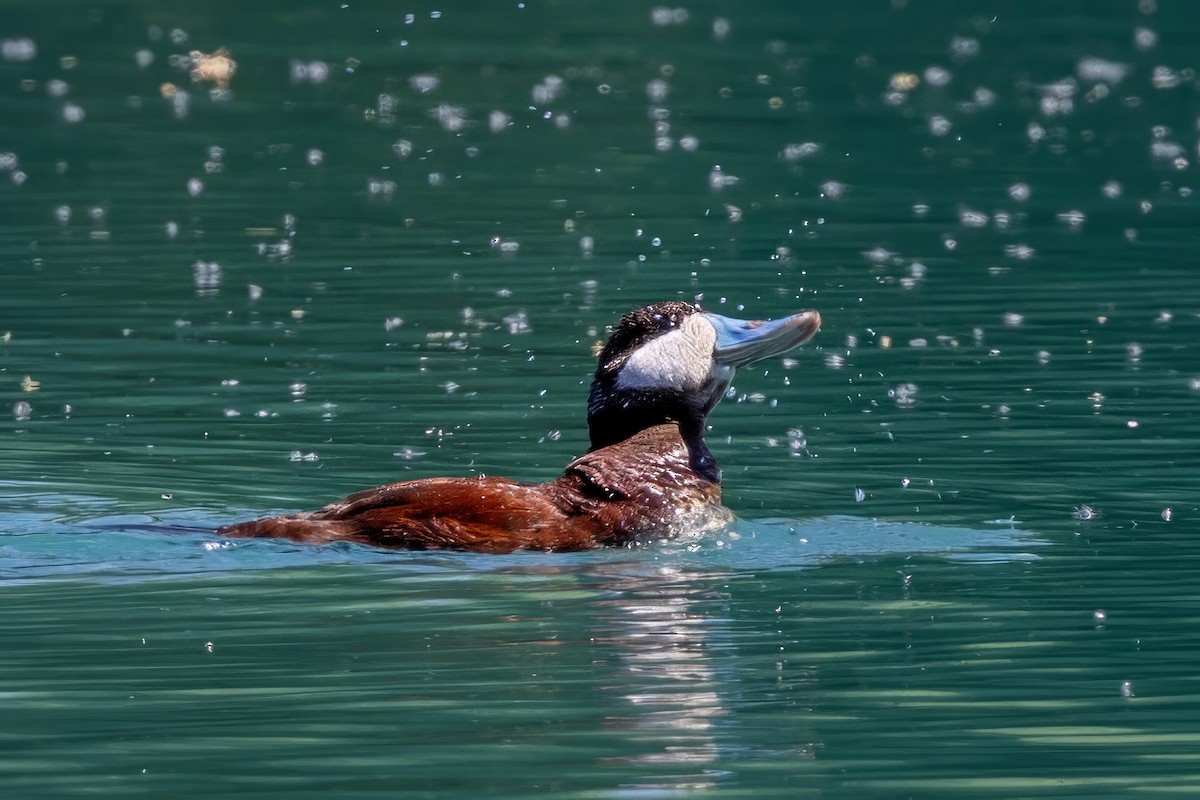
<point>966,558</point>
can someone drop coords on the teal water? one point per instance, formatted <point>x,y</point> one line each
<point>964,559</point>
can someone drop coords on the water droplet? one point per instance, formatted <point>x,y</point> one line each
<point>424,84</point>
<point>904,395</point>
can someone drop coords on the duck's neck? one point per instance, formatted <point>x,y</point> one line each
<point>611,421</point>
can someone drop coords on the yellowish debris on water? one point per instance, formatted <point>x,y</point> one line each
<point>904,82</point>
<point>28,384</point>
<point>216,68</point>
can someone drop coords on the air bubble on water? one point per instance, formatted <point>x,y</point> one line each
<point>63,214</point>
<point>22,411</point>
<point>797,441</point>
<point>720,28</point>
<point>195,187</point>
<point>298,390</point>
<point>452,118</point>
<point>1058,97</point>
<point>657,91</point>
<point>689,143</point>
<point>498,121</point>
<point>384,189</point>
<point>517,323</point>
<point>663,16</point>
<point>206,275</point>
<point>549,90</point>
<point>392,323</point>
<point>1144,39</point>
<point>1019,192</point>
<point>1073,219</point>
<point>859,495</point>
<point>834,190</point>
<point>937,76</point>
<point>904,395</point>
<point>1019,252</point>
<point>314,72</point>
<point>939,125</point>
<point>1164,77</point>
<point>1127,690</point>
<point>835,361</point>
<point>18,50</point>
<point>1093,69</point>
<point>314,157</point>
<point>963,48</point>
<point>971,218</point>
<point>799,150</point>
<point>73,113</point>
<point>1085,512</point>
<point>299,455</point>
<point>587,246</point>
<point>180,103</point>
<point>879,255</point>
<point>718,180</point>
<point>424,84</point>
<point>984,97</point>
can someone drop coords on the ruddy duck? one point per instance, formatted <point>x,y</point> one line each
<point>648,473</point>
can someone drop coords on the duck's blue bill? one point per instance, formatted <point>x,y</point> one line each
<point>741,342</point>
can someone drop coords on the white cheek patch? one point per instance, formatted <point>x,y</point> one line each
<point>680,359</point>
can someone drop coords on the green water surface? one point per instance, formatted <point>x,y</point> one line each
<point>965,559</point>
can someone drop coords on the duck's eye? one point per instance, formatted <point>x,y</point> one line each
<point>666,321</point>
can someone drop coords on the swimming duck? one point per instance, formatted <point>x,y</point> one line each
<point>649,472</point>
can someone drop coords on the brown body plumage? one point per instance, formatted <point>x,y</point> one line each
<point>649,473</point>
<point>644,486</point>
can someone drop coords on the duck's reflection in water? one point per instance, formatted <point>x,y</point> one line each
<point>661,643</point>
